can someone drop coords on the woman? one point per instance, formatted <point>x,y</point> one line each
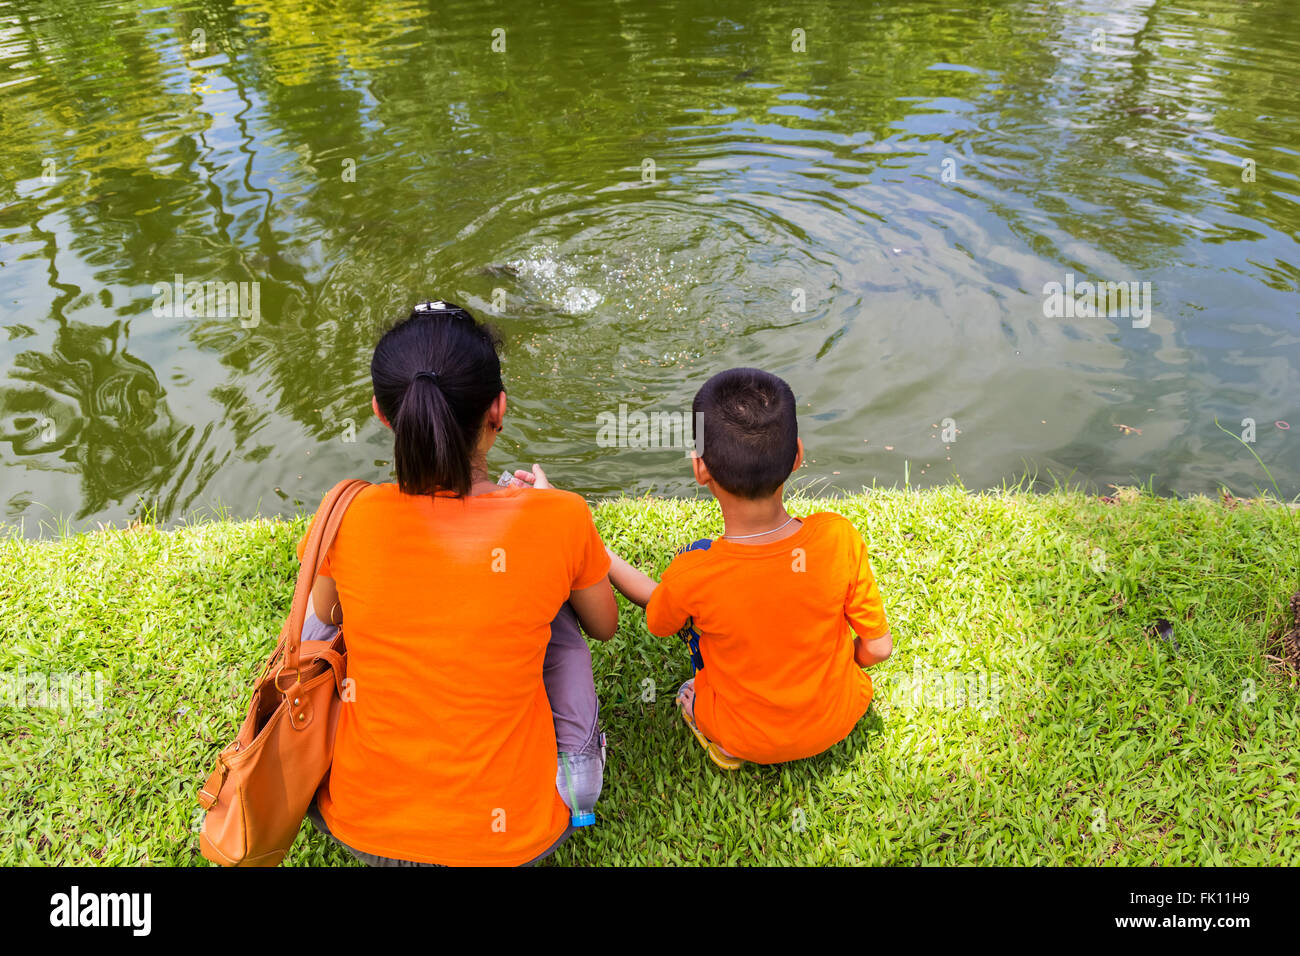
<point>474,701</point>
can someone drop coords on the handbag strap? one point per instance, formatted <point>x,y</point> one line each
<point>320,536</point>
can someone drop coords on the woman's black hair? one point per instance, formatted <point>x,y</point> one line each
<point>435,375</point>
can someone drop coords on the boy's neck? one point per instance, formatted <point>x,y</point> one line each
<point>754,517</point>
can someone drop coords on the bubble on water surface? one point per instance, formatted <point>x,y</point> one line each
<point>578,300</point>
<point>552,279</point>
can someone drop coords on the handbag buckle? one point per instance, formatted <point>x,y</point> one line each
<point>276,682</point>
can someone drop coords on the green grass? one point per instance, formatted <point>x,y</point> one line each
<point>1097,741</point>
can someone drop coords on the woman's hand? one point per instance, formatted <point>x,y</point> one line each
<point>535,478</point>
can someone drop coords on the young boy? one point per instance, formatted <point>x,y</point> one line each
<point>769,609</point>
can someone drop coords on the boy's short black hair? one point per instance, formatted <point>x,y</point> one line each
<point>750,435</point>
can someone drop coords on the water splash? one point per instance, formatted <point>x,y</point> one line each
<point>555,281</point>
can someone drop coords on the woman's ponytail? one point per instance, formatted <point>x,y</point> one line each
<point>435,375</point>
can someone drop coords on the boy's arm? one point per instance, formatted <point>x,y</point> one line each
<point>864,609</point>
<point>633,584</point>
<point>867,653</point>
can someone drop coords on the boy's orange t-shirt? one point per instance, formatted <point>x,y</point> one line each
<point>447,754</point>
<point>776,625</point>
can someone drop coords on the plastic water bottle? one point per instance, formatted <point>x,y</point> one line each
<point>579,777</point>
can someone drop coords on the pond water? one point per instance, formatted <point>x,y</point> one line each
<point>872,200</point>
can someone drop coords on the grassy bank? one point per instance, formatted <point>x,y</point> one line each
<point>1030,713</point>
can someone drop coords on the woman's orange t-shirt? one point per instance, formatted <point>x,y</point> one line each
<point>776,625</point>
<point>447,753</point>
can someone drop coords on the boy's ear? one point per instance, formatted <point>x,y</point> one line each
<point>798,456</point>
<point>700,469</point>
<point>374,403</point>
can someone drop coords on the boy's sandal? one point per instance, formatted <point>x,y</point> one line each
<point>716,753</point>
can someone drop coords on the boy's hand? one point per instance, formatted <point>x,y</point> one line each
<point>535,478</point>
<point>633,584</point>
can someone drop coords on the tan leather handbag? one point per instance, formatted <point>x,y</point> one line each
<point>264,782</point>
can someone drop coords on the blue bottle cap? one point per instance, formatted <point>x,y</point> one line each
<point>584,819</point>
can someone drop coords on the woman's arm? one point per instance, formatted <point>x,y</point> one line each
<point>635,585</point>
<point>325,601</point>
<point>597,610</point>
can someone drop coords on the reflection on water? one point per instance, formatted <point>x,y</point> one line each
<point>97,410</point>
<point>642,194</point>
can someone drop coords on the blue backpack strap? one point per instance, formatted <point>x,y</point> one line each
<point>688,633</point>
<point>702,544</point>
<point>692,638</point>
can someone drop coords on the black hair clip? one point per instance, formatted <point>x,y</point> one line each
<point>431,376</point>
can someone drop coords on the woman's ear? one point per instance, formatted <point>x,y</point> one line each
<point>497,412</point>
<point>798,457</point>
<point>374,403</point>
